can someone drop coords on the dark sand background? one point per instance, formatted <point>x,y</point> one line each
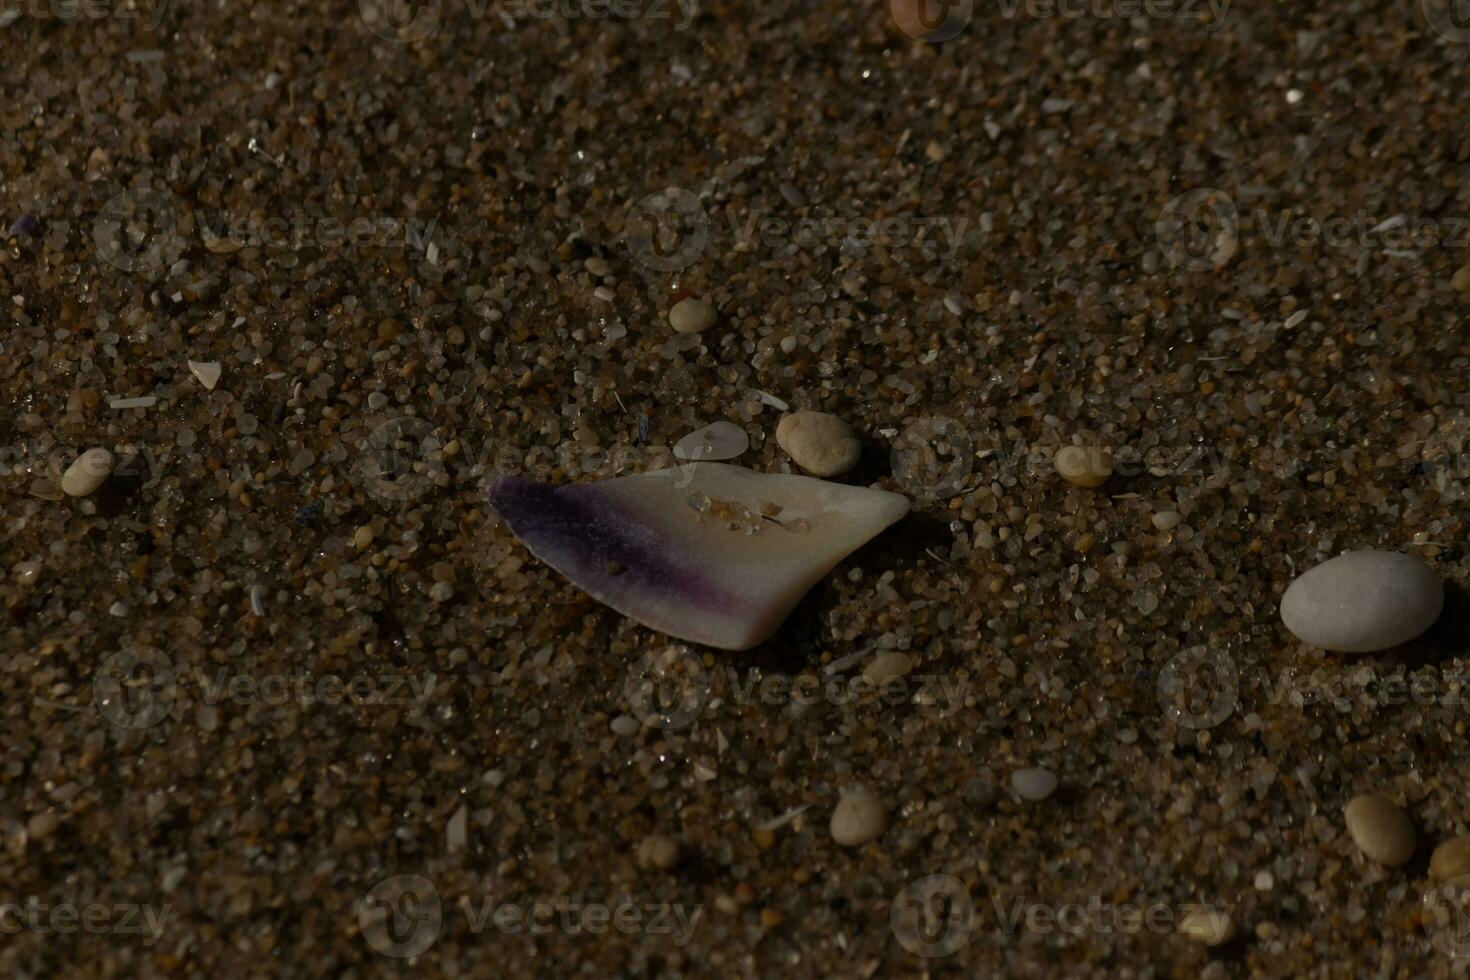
<point>1291,393</point>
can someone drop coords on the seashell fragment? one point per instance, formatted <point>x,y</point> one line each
<point>706,552</point>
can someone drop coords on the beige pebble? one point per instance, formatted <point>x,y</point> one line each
<point>42,825</point>
<point>1209,925</point>
<point>858,817</point>
<point>1460,282</point>
<point>1450,859</point>
<point>1085,466</point>
<point>598,266</point>
<point>1167,520</point>
<point>886,665</point>
<point>363,537</point>
<point>691,315</point>
<point>658,852</point>
<point>86,473</point>
<point>26,572</point>
<point>1381,830</point>
<point>821,444</point>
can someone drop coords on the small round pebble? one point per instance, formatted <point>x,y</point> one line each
<point>1381,830</point>
<point>1167,520</point>
<point>820,443</point>
<point>691,316</point>
<point>1450,859</point>
<point>886,665</point>
<point>1460,281</point>
<point>858,817</point>
<point>1210,926</point>
<point>1084,466</point>
<point>1034,784</point>
<point>86,473</point>
<point>658,852</point>
<point>625,725</point>
<point>1363,601</point>
<point>363,537</point>
<point>26,572</point>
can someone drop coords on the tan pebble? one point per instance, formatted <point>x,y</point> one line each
<point>886,665</point>
<point>658,852</point>
<point>1381,830</point>
<point>858,817</point>
<point>1085,466</point>
<point>42,825</point>
<point>1167,520</point>
<point>1209,925</point>
<point>770,918</point>
<point>26,572</point>
<point>363,537</point>
<point>819,443</point>
<point>691,315</point>
<point>1450,859</point>
<point>1460,282</point>
<point>86,473</point>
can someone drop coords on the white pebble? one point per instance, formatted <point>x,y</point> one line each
<point>720,440</point>
<point>691,316</point>
<point>86,473</point>
<point>858,817</point>
<point>1034,784</point>
<point>1363,601</point>
<point>1167,520</point>
<point>625,725</point>
<point>820,443</point>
